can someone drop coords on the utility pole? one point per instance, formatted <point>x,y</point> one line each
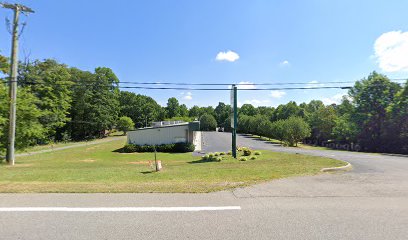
<point>234,119</point>
<point>17,8</point>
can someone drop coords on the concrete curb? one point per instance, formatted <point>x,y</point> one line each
<point>348,167</point>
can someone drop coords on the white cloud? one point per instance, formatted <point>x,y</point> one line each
<point>277,94</point>
<point>284,63</point>
<point>256,102</point>
<point>313,84</point>
<point>246,85</point>
<point>334,99</point>
<point>187,96</point>
<point>391,51</point>
<point>229,56</point>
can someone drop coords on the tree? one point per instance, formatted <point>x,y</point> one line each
<point>4,64</point>
<point>105,99</point>
<point>141,109</point>
<point>28,127</point>
<point>208,123</point>
<point>183,110</point>
<point>222,112</point>
<point>95,106</point>
<point>372,97</point>
<point>248,109</point>
<point>173,108</point>
<point>397,123</point>
<point>125,124</point>
<point>322,121</point>
<point>277,130</point>
<point>295,129</point>
<point>51,83</point>
<point>194,112</point>
<point>287,110</point>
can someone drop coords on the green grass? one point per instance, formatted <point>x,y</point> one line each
<point>98,168</point>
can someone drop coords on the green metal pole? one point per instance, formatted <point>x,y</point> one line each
<point>234,129</point>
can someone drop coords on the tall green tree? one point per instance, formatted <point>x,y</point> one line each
<point>208,123</point>
<point>173,108</point>
<point>397,123</point>
<point>51,83</point>
<point>372,97</point>
<point>248,109</point>
<point>29,130</point>
<point>222,112</point>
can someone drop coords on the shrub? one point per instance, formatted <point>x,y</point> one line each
<point>222,153</point>
<point>219,159</point>
<point>211,155</point>
<point>257,153</point>
<point>253,158</point>
<point>205,157</point>
<point>247,152</point>
<point>172,148</point>
<point>217,154</point>
<point>129,148</point>
<point>229,152</point>
<point>243,159</point>
<point>183,147</point>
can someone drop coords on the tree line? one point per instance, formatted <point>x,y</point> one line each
<point>61,103</point>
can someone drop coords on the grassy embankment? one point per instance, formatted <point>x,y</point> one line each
<point>99,168</point>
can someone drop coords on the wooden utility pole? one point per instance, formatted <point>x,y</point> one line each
<point>17,8</point>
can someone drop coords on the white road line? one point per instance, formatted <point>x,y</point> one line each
<point>117,209</point>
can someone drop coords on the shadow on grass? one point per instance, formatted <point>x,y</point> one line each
<point>201,161</point>
<point>148,172</point>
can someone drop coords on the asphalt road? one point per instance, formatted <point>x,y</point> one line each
<point>369,202</point>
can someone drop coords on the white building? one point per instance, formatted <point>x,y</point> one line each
<point>166,133</point>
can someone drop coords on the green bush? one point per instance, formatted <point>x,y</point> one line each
<point>205,157</point>
<point>222,153</point>
<point>247,152</point>
<point>171,148</point>
<point>257,153</point>
<point>219,159</point>
<point>229,152</point>
<point>211,155</point>
<point>253,157</point>
<point>217,154</point>
<point>129,148</point>
<point>243,159</point>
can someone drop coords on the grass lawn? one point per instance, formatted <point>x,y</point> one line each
<point>98,168</point>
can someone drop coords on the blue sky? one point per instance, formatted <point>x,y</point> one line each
<point>178,41</point>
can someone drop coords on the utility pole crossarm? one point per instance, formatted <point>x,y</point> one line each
<point>18,7</point>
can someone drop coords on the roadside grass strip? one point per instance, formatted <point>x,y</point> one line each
<point>104,168</point>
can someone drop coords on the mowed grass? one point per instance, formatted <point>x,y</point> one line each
<point>98,168</point>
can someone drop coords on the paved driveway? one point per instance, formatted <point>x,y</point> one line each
<point>368,203</point>
<point>372,175</point>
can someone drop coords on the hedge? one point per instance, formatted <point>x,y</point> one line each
<point>171,148</point>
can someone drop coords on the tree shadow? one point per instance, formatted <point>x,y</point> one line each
<point>148,172</point>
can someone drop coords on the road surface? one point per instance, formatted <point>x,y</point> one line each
<point>369,202</point>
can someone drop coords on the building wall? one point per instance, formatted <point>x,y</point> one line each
<point>163,135</point>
